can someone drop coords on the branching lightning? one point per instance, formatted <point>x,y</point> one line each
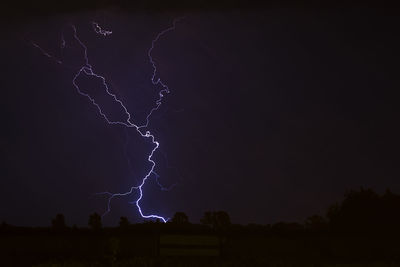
<point>99,30</point>
<point>88,70</point>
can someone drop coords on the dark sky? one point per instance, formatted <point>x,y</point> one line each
<point>273,113</point>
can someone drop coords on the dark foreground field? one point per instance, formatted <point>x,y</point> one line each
<point>244,246</point>
<point>362,230</point>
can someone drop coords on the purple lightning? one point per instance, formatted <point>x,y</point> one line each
<point>158,81</point>
<point>87,69</point>
<point>45,53</point>
<point>99,30</point>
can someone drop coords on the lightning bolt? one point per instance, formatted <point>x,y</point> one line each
<point>88,70</point>
<point>99,30</point>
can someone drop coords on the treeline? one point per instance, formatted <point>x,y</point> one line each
<point>362,212</point>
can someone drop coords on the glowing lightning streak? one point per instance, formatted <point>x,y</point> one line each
<point>45,53</point>
<point>99,30</point>
<point>87,69</point>
<point>153,64</point>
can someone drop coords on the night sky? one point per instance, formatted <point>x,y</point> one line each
<point>273,113</point>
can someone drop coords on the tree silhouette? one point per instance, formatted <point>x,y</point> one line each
<point>58,222</point>
<point>389,211</point>
<point>358,212</point>
<point>223,219</point>
<point>95,221</point>
<point>208,218</point>
<point>124,222</point>
<point>218,220</point>
<point>180,218</point>
<point>365,211</point>
<point>316,223</point>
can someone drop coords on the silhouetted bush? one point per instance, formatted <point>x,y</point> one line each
<point>58,222</point>
<point>366,212</point>
<point>124,222</point>
<point>180,218</point>
<point>95,221</point>
<point>316,224</point>
<point>218,220</point>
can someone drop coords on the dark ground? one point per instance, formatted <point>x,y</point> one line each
<point>360,231</point>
